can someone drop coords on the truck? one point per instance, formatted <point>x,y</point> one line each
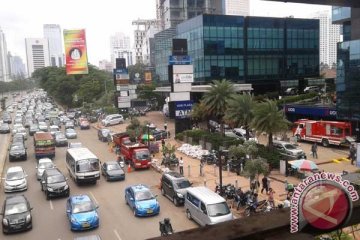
<point>44,145</point>
<point>137,154</point>
<point>323,132</point>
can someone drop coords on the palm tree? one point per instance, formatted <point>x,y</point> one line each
<point>198,112</point>
<point>269,119</point>
<point>240,111</point>
<point>216,100</point>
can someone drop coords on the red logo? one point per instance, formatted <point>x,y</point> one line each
<point>325,206</point>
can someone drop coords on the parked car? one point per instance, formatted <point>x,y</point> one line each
<point>15,179</point>
<point>291,91</point>
<point>4,128</point>
<point>103,134</point>
<point>141,201</point>
<point>112,171</point>
<point>60,140</point>
<point>310,89</point>
<point>54,183</point>
<point>241,133</point>
<point>112,119</point>
<point>82,212</point>
<point>289,150</point>
<point>16,214</point>
<point>43,163</point>
<point>173,186</point>
<point>70,133</point>
<point>17,151</point>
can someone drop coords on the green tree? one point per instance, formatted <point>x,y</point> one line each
<point>255,167</point>
<point>240,112</point>
<point>269,119</point>
<point>217,98</point>
<point>198,112</point>
<point>137,68</point>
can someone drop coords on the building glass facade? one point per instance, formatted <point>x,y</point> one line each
<point>347,80</point>
<point>257,50</point>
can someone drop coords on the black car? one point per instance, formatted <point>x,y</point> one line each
<point>173,186</point>
<point>16,214</point>
<point>159,134</point>
<point>112,171</point>
<point>54,183</point>
<point>17,151</point>
<point>4,128</point>
<point>103,134</point>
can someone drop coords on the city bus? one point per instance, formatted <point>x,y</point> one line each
<point>44,145</point>
<point>83,165</point>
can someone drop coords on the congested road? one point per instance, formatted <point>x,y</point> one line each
<point>116,219</point>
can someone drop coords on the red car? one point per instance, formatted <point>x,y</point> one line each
<point>84,124</point>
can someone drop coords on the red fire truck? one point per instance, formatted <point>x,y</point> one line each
<point>324,132</point>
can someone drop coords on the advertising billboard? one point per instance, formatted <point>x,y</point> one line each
<point>183,109</point>
<point>148,77</point>
<point>75,52</point>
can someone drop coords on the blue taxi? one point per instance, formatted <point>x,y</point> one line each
<point>141,200</point>
<point>82,213</point>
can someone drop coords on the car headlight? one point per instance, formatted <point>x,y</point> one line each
<point>179,195</point>
<point>73,220</point>
<point>28,218</point>
<point>138,206</point>
<point>5,222</point>
<point>50,189</point>
<point>66,187</point>
<point>97,175</point>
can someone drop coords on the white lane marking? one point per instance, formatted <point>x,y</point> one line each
<point>92,195</point>
<point>117,234</point>
<point>51,205</point>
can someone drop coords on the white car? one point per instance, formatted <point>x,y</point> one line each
<point>241,133</point>
<point>44,163</point>
<point>15,179</point>
<point>53,129</point>
<point>20,130</point>
<point>113,119</point>
<point>43,126</point>
<point>70,133</point>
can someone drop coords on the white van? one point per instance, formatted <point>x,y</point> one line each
<point>206,207</point>
<point>113,119</point>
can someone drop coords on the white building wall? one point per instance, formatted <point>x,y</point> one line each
<point>53,33</point>
<point>329,37</point>
<point>120,48</point>
<point>237,7</point>
<point>37,54</point>
<point>4,63</point>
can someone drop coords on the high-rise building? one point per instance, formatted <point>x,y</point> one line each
<point>148,46</point>
<point>37,54</point>
<point>236,7</point>
<point>268,53</point>
<point>17,67</point>
<point>52,32</point>
<point>172,12</point>
<point>4,63</point>
<point>106,65</point>
<point>329,37</point>
<point>120,48</point>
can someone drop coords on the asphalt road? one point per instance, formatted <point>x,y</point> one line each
<point>116,219</point>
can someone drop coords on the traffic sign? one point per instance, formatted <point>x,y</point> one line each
<point>179,60</point>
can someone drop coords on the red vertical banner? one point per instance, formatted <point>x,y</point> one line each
<point>75,51</point>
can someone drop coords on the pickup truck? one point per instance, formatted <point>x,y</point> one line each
<point>137,154</point>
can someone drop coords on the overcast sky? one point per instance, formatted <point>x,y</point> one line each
<point>20,19</point>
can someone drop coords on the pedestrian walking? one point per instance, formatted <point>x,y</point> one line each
<point>352,153</point>
<point>265,185</point>
<point>314,150</point>
<point>201,168</point>
<point>181,166</point>
<point>271,197</point>
<point>165,126</point>
<point>254,184</point>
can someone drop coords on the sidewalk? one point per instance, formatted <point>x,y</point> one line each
<point>211,174</point>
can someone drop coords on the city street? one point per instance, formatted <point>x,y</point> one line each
<point>116,218</point>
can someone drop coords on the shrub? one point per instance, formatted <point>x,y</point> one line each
<point>179,136</point>
<point>271,155</point>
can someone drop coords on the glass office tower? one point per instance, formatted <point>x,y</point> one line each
<point>262,51</point>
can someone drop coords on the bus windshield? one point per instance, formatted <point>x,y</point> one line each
<point>87,165</point>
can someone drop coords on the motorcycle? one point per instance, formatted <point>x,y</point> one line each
<point>253,207</point>
<point>165,227</point>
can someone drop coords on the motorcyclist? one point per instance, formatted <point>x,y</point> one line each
<point>166,227</point>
